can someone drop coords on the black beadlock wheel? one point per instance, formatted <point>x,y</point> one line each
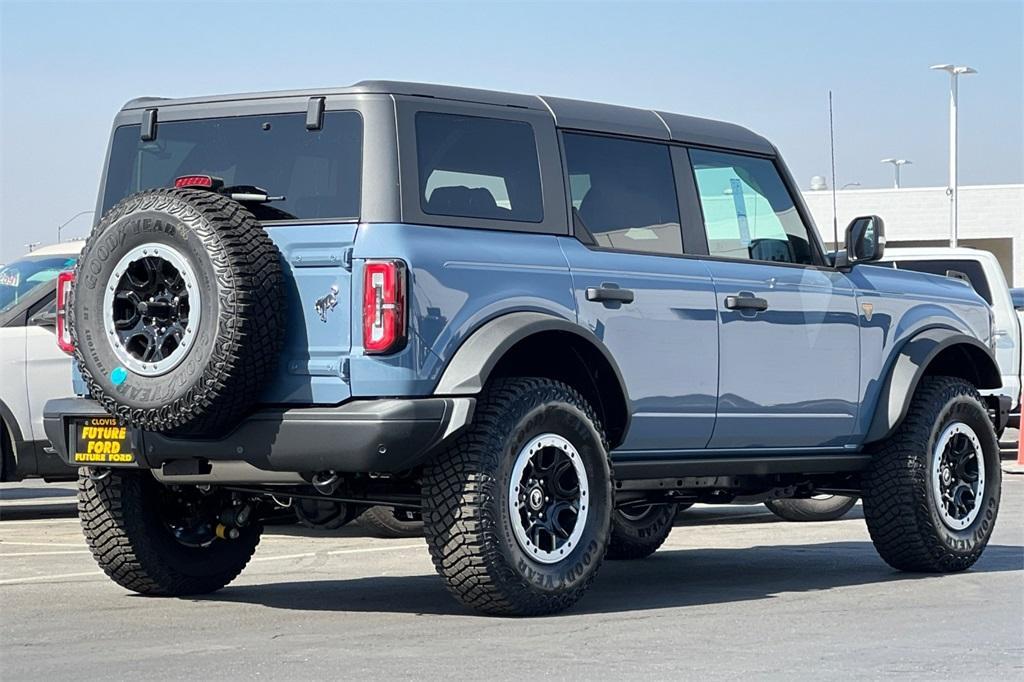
<point>392,522</point>
<point>177,311</point>
<point>517,511</point>
<point>931,494</point>
<point>158,541</point>
<point>638,532</point>
<point>818,508</point>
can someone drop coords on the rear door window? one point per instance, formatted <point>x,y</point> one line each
<point>477,167</point>
<point>972,269</point>
<point>316,171</point>
<point>623,194</point>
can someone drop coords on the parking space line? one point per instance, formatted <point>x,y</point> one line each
<point>36,522</point>
<point>41,578</point>
<point>337,552</point>
<point>61,551</point>
<point>40,544</point>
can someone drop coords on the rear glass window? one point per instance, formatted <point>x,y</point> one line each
<point>25,276</point>
<point>970,268</point>
<point>316,171</point>
<point>476,167</point>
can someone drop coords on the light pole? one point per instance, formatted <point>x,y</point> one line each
<point>65,223</point>
<point>954,76</point>
<point>896,163</point>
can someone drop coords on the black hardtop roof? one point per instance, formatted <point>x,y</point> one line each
<point>567,113</point>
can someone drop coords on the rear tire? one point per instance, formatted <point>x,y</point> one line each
<point>124,525</point>
<point>931,494</point>
<point>828,508</point>
<point>637,536</point>
<point>391,522</point>
<point>517,511</point>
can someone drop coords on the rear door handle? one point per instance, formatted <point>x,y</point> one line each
<point>745,302</point>
<point>609,294</point>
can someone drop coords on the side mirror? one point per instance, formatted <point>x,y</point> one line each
<point>865,241</point>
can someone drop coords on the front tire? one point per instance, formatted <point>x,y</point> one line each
<point>517,511</point>
<point>137,535</point>
<point>637,534</point>
<point>826,508</point>
<point>931,494</point>
<point>392,522</point>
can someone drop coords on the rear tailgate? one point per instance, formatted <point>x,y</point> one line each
<point>316,259</point>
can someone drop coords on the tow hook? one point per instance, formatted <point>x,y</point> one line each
<point>231,520</point>
<point>97,473</point>
<point>326,482</point>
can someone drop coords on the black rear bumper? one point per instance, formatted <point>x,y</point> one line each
<point>388,435</point>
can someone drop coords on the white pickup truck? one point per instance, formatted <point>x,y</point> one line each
<point>983,272</point>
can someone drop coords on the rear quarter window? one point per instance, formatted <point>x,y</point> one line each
<point>477,167</point>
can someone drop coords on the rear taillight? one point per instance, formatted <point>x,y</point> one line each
<point>65,280</point>
<point>384,311</point>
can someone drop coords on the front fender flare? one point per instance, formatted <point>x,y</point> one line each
<point>910,365</point>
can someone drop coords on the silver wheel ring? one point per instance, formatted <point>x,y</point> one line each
<point>936,478</point>
<point>522,460</point>
<point>175,258</point>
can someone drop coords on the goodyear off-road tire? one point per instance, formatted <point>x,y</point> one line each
<point>814,509</point>
<point>177,311</point>
<point>125,530</point>
<point>388,522</point>
<point>903,490</point>
<point>639,535</point>
<point>476,491</point>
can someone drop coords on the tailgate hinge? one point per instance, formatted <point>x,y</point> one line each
<point>346,259</point>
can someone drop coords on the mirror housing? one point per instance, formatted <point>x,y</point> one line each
<point>865,241</point>
<point>44,318</point>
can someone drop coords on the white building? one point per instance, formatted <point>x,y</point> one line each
<point>991,218</point>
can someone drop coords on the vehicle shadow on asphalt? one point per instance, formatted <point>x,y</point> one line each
<point>668,579</point>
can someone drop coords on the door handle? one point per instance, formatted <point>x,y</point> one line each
<point>609,294</point>
<point>746,302</point>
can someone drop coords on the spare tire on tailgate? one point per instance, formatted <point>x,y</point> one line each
<point>177,314</point>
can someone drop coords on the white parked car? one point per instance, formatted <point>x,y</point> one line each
<point>33,368</point>
<point>982,271</point>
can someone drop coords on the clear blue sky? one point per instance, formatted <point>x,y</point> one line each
<point>67,68</point>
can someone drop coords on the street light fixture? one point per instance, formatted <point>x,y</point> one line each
<point>896,163</point>
<point>954,76</point>
<point>66,222</point>
<point>850,184</point>
<point>31,246</point>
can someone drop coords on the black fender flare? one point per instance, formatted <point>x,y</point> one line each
<point>470,367</point>
<point>910,365</point>
<point>19,447</point>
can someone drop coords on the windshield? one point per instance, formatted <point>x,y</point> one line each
<point>316,171</point>
<point>22,277</point>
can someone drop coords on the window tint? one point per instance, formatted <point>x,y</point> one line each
<point>748,212</point>
<point>25,276</point>
<point>317,171</point>
<point>476,167</point>
<point>971,268</point>
<point>623,194</point>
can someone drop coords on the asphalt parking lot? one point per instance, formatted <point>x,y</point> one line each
<point>733,590</point>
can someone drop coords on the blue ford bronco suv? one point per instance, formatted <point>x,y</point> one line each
<point>542,324</point>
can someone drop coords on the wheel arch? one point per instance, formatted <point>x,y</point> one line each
<point>538,344</point>
<point>944,352</point>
